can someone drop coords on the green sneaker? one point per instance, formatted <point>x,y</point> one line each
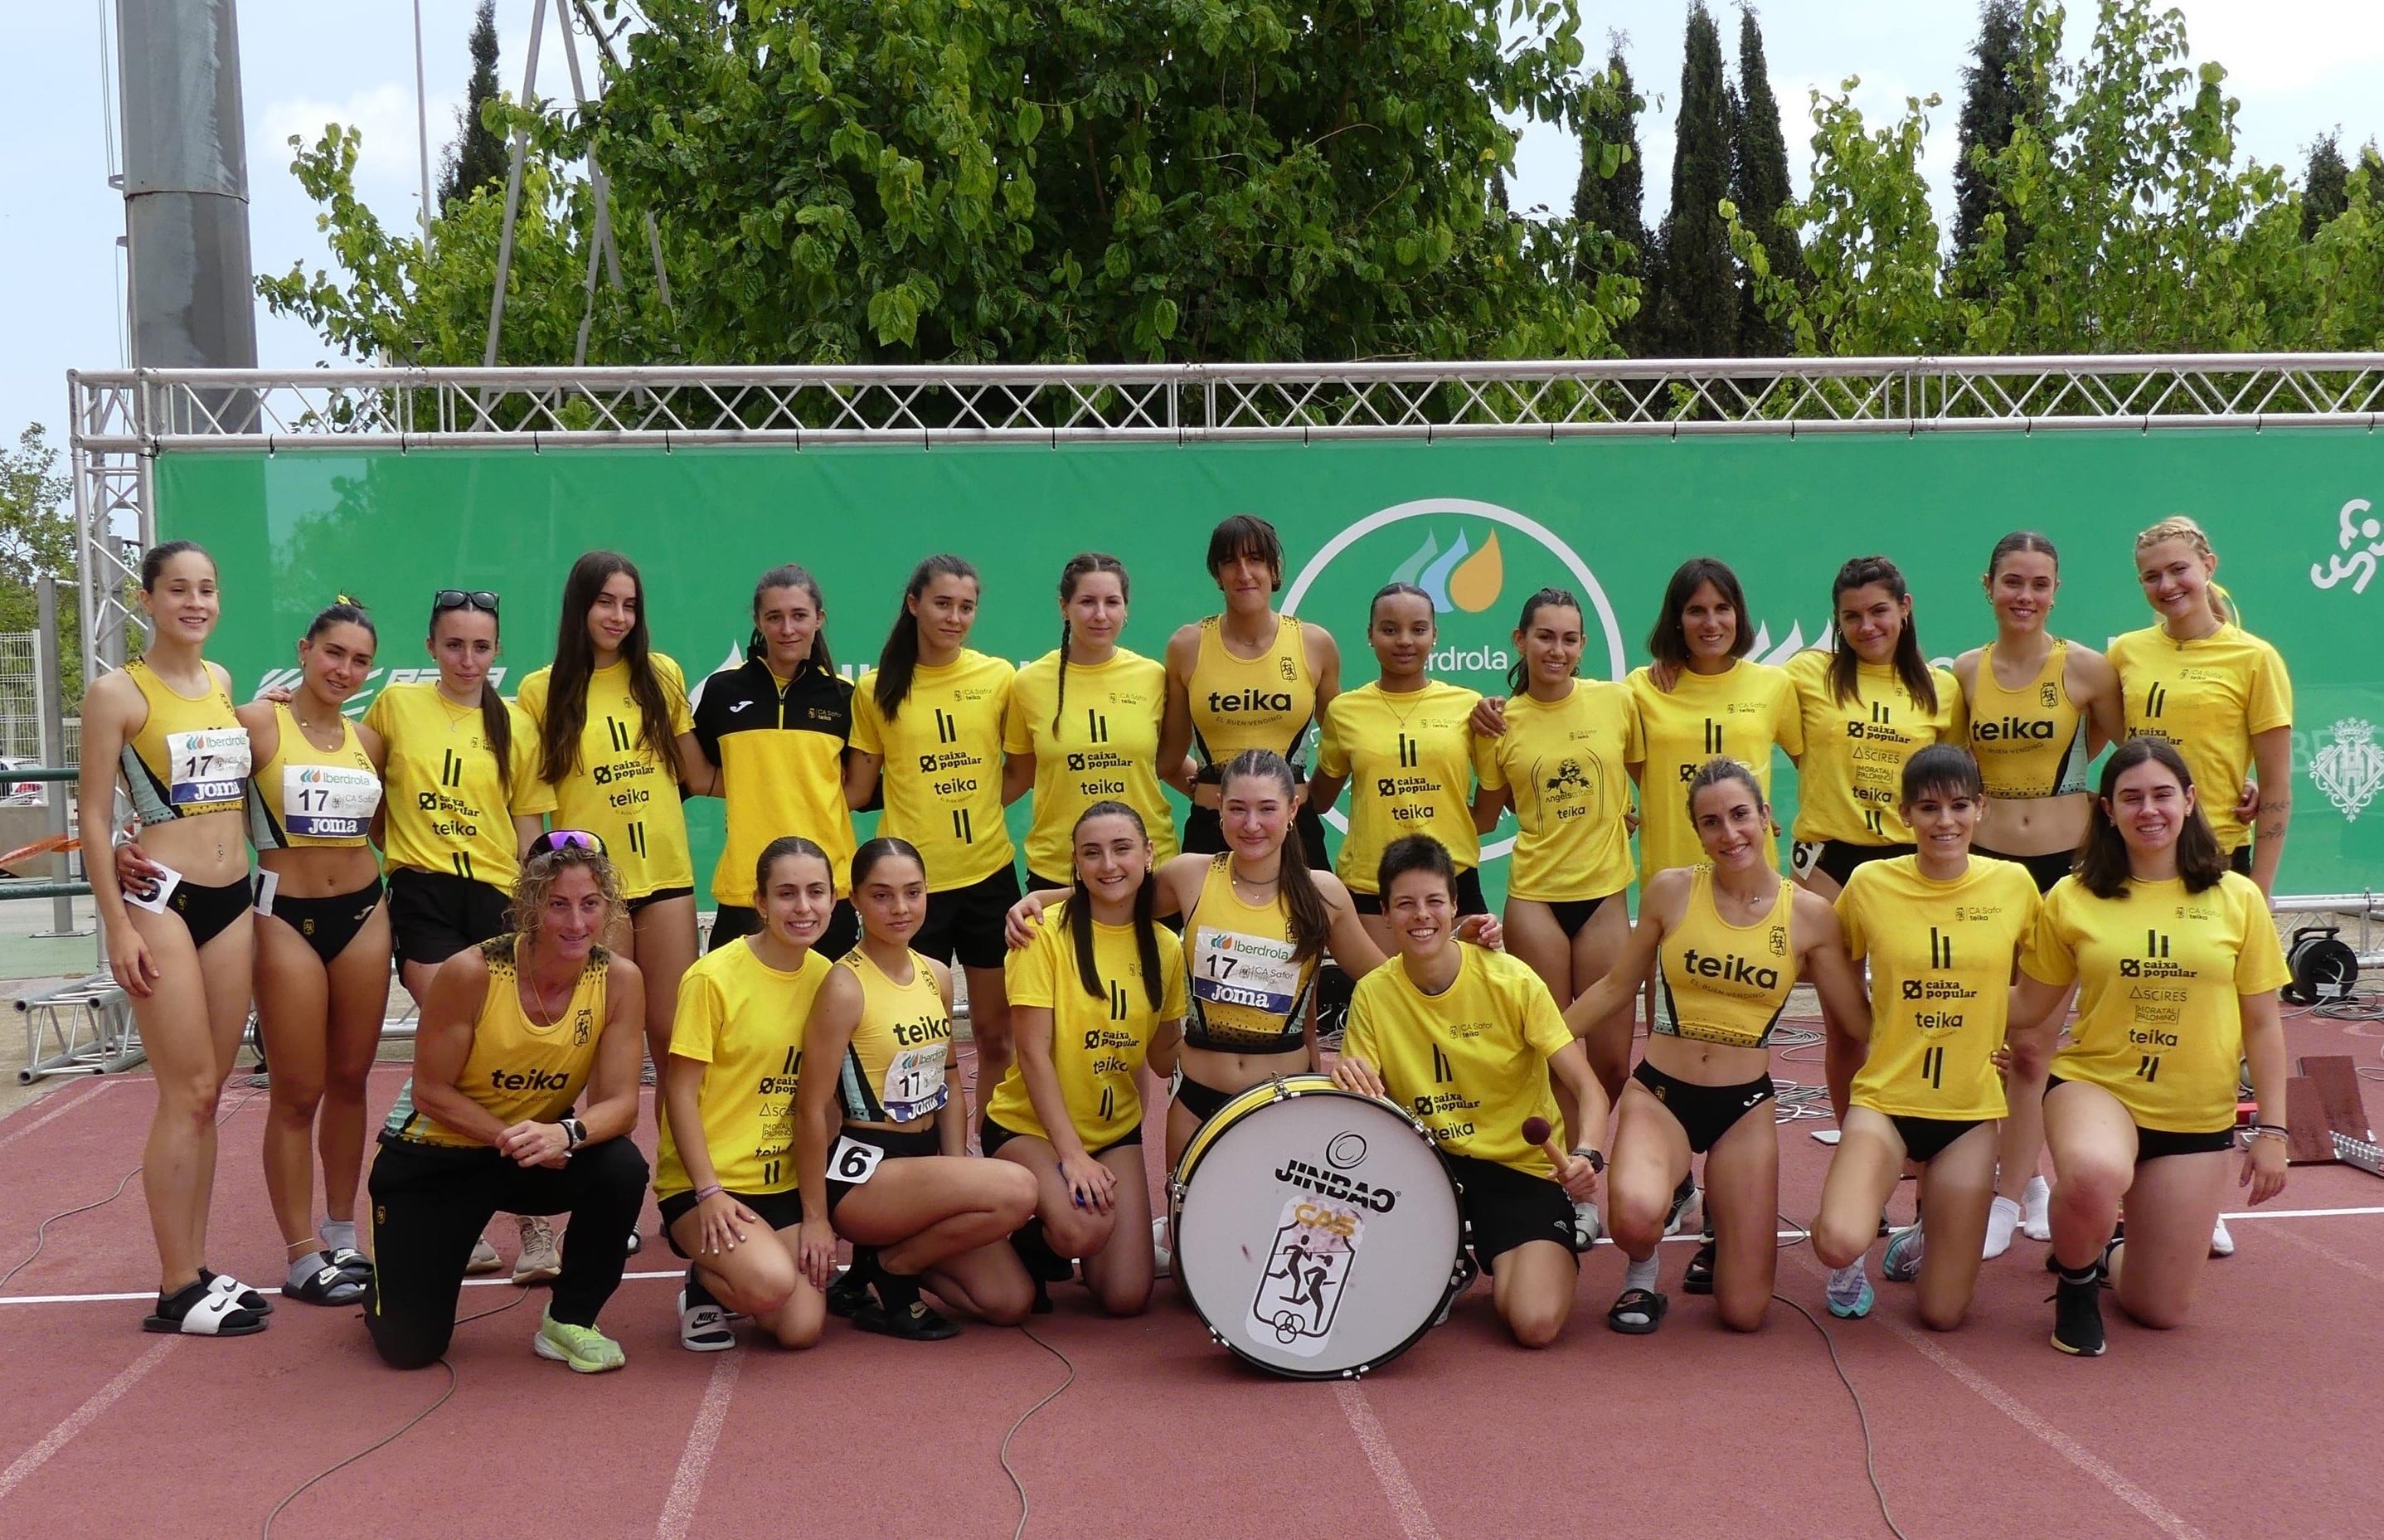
<point>587,1350</point>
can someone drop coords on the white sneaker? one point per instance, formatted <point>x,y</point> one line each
<point>2035,1210</point>
<point>538,1261</point>
<point>2221,1243</point>
<point>2003,1218</point>
<point>1163,1257</point>
<point>485,1260</point>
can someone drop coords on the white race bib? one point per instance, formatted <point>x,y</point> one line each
<point>914,1083</point>
<point>1229,968</point>
<point>210,766</point>
<point>328,802</point>
<point>852,1160</point>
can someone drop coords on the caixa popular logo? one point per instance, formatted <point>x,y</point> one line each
<point>1478,562</point>
<point>1329,1175</point>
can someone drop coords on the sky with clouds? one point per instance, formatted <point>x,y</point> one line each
<point>2303,67</point>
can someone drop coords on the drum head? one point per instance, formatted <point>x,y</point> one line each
<point>1316,1234</point>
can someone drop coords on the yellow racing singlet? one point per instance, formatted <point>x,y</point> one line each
<point>894,1070</point>
<point>2030,742</point>
<point>1724,983</point>
<point>618,788</point>
<point>1941,971</point>
<point>522,1070</point>
<point>1249,990</point>
<point>305,798</point>
<point>188,757</point>
<point>1261,702</point>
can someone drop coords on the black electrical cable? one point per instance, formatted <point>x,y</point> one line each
<point>1862,1418</point>
<point>1006,1468</point>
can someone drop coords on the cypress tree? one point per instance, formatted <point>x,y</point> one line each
<point>1993,102</point>
<point>475,158</point>
<point>1758,177</point>
<point>2326,192</point>
<point>1698,317</point>
<point>1614,206</point>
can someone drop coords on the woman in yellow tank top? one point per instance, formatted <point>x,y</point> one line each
<point>2040,710</point>
<point>1731,937</point>
<point>512,1033</point>
<point>614,741</point>
<point>164,724</point>
<point>881,1137</point>
<point>1245,679</point>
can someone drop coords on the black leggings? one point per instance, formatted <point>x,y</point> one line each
<point>429,1204</point>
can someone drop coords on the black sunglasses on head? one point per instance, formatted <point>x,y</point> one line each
<point>461,599</point>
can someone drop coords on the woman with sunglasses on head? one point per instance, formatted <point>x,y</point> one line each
<point>615,742</point>
<point>2040,709</point>
<point>513,1032</point>
<point>881,1141</point>
<point>1404,745</point>
<point>1098,995</point>
<point>1941,929</point>
<point>2177,965</point>
<point>1084,724</point>
<point>926,730</point>
<point>1245,679</point>
<point>1731,938</point>
<point>724,1165</point>
<point>462,800</point>
<point>164,726</point>
<point>776,725</point>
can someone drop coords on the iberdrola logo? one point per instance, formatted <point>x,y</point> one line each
<point>1459,579</point>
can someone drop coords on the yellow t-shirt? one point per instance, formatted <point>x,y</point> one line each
<point>942,775</point>
<point>1740,713</point>
<point>1410,759</point>
<point>745,1019</point>
<point>1940,972</point>
<point>1471,1063</point>
<point>1562,764</point>
<point>2161,974</point>
<point>2208,697</point>
<point>620,791</point>
<point>1850,780</point>
<point>1098,1045</point>
<point>521,1070</point>
<point>447,808</point>
<point>1105,749</point>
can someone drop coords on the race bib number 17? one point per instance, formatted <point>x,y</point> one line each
<point>209,765</point>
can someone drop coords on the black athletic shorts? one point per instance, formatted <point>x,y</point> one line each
<point>328,925</point>
<point>779,1211</point>
<point>2154,1144</point>
<point>1201,1101</point>
<point>1469,897</point>
<point>964,924</point>
<point>206,913</point>
<point>1926,1139</point>
<point>1574,914</point>
<point>1204,834</point>
<point>2047,869</point>
<point>2241,861</point>
<point>992,1135</point>
<point>732,922</point>
<point>1504,1207</point>
<point>898,1146</point>
<point>1705,1113</point>
<point>1839,858</point>
<point>433,915</point>
<point>659,895</point>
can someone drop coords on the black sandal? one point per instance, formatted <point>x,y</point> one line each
<point>1644,1303</point>
<point>1699,1277</point>
<point>326,1285</point>
<point>352,1262</point>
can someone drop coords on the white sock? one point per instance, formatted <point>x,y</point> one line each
<point>306,1267</point>
<point>1641,1274</point>
<point>339,1234</point>
<point>2036,1204</point>
<point>2003,1218</point>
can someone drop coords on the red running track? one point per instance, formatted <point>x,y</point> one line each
<point>2256,1419</point>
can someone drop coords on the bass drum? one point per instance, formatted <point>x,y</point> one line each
<point>1316,1230</point>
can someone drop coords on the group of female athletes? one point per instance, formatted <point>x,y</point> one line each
<point>535,889</point>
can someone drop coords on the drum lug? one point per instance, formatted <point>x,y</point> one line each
<point>1281,1090</point>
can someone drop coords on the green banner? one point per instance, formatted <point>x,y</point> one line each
<point>1480,524</point>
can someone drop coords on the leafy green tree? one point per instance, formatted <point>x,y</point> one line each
<point>1696,303</point>
<point>37,537</point>
<point>1758,182</point>
<point>475,158</point>
<point>1608,200</point>
<point>1997,97</point>
<point>2326,189</point>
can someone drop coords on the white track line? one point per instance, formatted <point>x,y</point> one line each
<point>84,1416</point>
<point>2330,1254</point>
<point>152,1293</point>
<point>678,1512</point>
<point>1415,1521</point>
<point>65,1104</point>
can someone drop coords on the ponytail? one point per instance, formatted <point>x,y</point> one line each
<point>1146,929</point>
<point>899,659</point>
<point>1303,907</point>
<point>1080,566</point>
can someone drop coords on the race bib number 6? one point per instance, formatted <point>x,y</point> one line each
<point>207,767</point>
<point>852,1160</point>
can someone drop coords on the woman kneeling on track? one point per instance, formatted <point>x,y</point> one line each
<point>1097,994</point>
<point>1469,1039</point>
<point>1730,937</point>
<point>899,1183</point>
<point>2177,966</point>
<point>512,1031</point>
<point>1943,929</point>
<point>727,1186</point>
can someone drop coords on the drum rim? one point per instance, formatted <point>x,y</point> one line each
<point>1306,1083</point>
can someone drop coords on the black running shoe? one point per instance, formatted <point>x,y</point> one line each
<point>2077,1318</point>
<point>850,1291</point>
<point>912,1322</point>
<point>1682,1196</point>
<point>1698,1279</point>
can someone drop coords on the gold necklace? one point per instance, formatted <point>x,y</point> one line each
<point>537,996</point>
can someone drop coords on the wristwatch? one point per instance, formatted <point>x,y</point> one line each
<point>574,1132</point>
<point>1597,1158</point>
